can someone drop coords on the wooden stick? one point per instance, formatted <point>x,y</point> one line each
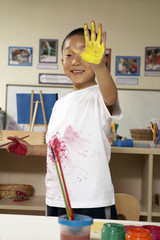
<point>43,110</point>
<point>34,115</point>
<point>31,108</point>
<point>5,144</point>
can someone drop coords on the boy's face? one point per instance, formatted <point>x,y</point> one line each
<point>80,72</point>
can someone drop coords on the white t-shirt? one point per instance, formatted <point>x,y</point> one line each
<point>81,122</point>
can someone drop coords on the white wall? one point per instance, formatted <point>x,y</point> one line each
<point>131,25</point>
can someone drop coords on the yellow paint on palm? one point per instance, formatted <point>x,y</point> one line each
<point>94,48</point>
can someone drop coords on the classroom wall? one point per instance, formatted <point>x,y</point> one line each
<point>130,25</point>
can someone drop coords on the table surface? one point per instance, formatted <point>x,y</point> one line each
<point>15,227</point>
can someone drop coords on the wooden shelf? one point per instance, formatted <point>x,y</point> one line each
<point>133,170</point>
<point>36,203</point>
<point>134,150</point>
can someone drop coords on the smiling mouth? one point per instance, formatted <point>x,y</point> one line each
<point>77,71</point>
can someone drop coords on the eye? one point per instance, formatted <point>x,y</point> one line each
<point>68,55</point>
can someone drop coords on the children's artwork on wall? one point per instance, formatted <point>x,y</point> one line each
<point>152,61</point>
<point>20,56</point>
<point>107,58</point>
<point>48,51</point>
<point>127,66</point>
<point>56,79</point>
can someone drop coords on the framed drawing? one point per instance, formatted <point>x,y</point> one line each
<point>48,51</point>
<point>107,58</point>
<point>127,66</point>
<point>152,59</point>
<point>20,56</point>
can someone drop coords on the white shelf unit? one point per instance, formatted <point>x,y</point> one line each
<point>136,171</point>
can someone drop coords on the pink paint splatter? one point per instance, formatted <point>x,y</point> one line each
<point>58,143</point>
<point>70,135</point>
<point>62,146</point>
<point>59,148</point>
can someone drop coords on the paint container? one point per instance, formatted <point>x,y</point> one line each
<point>138,234</point>
<point>113,231</point>
<point>154,231</point>
<point>128,227</point>
<point>77,229</point>
<point>2,119</point>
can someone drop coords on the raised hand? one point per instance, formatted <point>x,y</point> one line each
<point>95,49</point>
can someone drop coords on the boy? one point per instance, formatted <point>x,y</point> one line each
<point>79,129</point>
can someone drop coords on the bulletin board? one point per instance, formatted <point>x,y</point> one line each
<point>12,91</point>
<point>138,106</point>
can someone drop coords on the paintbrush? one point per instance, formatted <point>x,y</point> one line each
<point>63,193</point>
<point>65,188</point>
<point>5,144</point>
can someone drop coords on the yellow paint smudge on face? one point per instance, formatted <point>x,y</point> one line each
<point>75,51</point>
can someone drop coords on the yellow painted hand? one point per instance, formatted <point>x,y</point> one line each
<point>94,48</point>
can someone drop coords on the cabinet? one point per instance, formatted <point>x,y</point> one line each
<point>16,169</point>
<point>133,170</point>
<point>137,171</point>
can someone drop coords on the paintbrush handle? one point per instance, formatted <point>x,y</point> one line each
<point>63,193</point>
<point>5,144</point>
<point>65,188</point>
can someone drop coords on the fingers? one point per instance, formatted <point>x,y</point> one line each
<point>14,139</point>
<point>104,39</point>
<point>93,31</point>
<point>86,34</point>
<point>99,36</point>
<point>17,148</point>
<point>11,138</point>
<point>12,146</point>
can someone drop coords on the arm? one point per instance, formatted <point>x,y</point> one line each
<point>37,150</point>
<point>106,84</point>
<point>94,54</point>
<point>21,147</point>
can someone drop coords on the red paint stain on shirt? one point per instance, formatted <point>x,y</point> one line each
<point>70,135</point>
<point>58,143</point>
<point>59,148</point>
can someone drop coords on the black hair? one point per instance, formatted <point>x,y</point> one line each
<point>78,31</point>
